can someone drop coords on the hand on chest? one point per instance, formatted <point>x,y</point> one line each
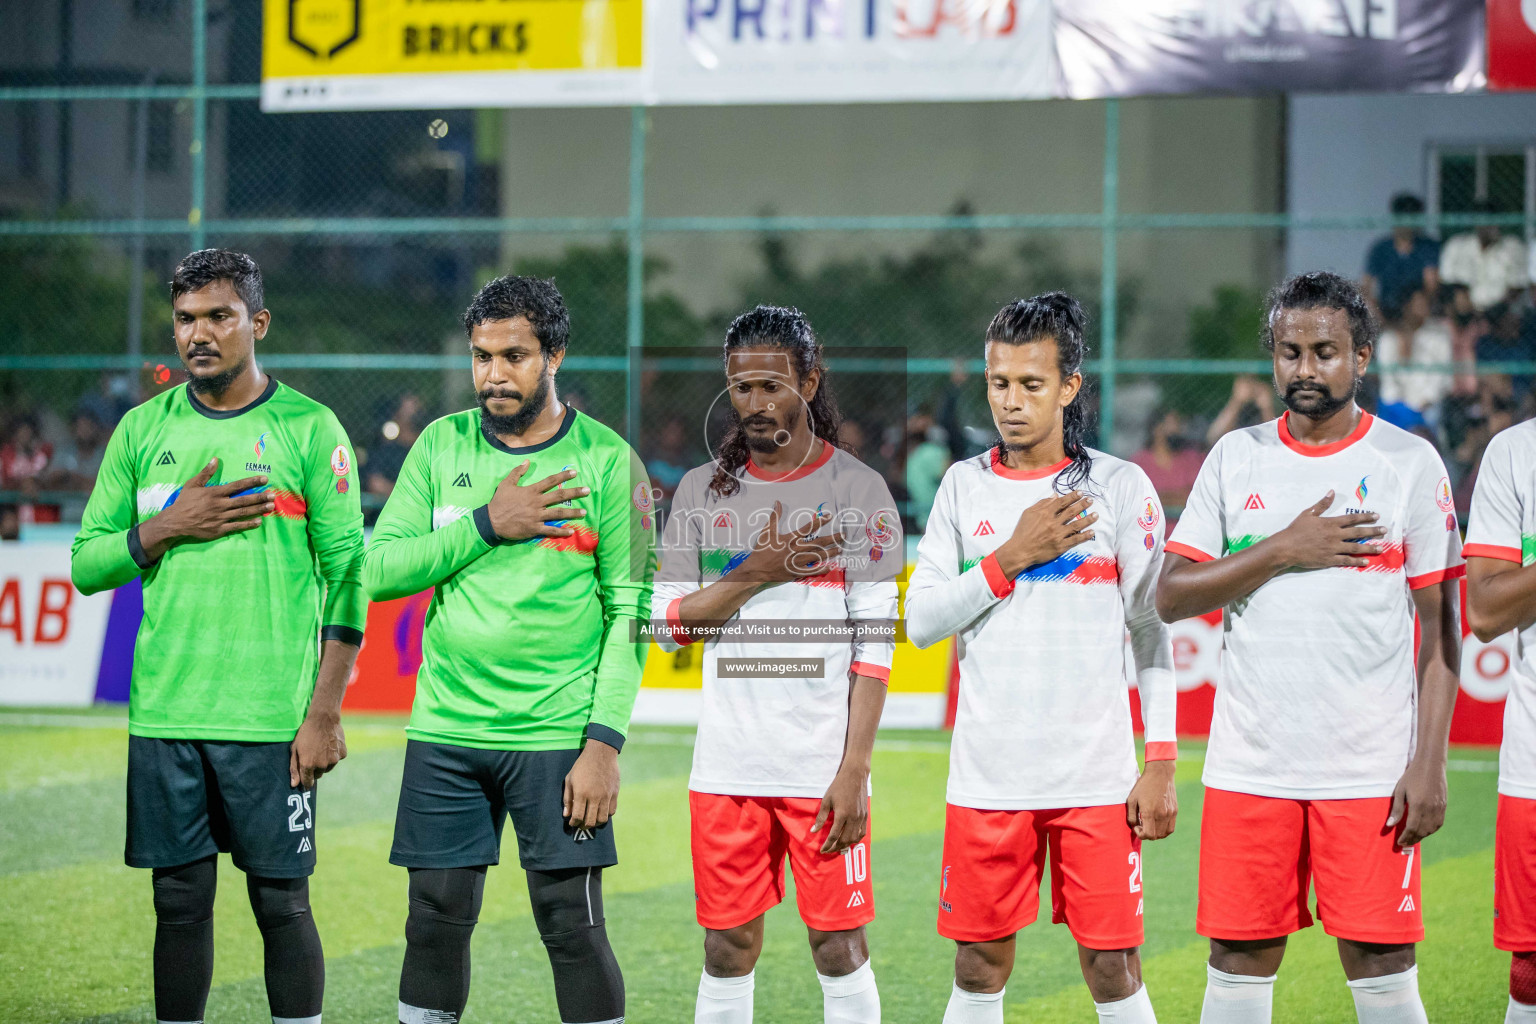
<point>987,522</point>
<point>1265,503</point>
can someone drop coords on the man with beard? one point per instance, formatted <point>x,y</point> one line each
<point>783,525</point>
<point>529,667</point>
<point>1328,744</point>
<point>253,615</point>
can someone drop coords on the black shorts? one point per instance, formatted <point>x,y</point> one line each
<point>454,801</point>
<point>190,799</point>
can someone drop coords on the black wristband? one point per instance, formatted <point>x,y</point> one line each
<point>136,550</point>
<point>603,734</point>
<point>482,518</point>
<point>343,634</point>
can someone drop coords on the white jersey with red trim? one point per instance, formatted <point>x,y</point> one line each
<point>1503,526</point>
<point>1316,696</point>
<point>767,734</point>
<point>1044,718</point>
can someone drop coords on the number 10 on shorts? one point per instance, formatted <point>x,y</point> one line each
<point>856,863</point>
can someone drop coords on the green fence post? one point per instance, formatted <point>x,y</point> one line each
<point>635,330</point>
<point>199,146</point>
<point>1109,271</point>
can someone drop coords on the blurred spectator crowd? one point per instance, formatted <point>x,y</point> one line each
<point>1453,364</point>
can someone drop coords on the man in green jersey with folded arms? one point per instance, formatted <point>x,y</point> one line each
<point>532,525</point>
<point>234,499</point>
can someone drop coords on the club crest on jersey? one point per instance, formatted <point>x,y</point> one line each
<point>1148,542</point>
<point>641,498</point>
<point>724,520</point>
<point>1149,516</point>
<point>340,463</point>
<point>1443,498</point>
<point>983,529</point>
<point>1450,521</point>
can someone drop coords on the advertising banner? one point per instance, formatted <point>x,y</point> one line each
<point>849,51</point>
<point>400,54</point>
<point>50,633</point>
<point>1512,44</point>
<point>1146,47</point>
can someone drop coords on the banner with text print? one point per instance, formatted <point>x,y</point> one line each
<point>849,51</point>
<point>1148,47</point>
<point>410,54</point>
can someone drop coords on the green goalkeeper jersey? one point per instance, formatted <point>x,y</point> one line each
<point>230,642</point>
<point>527,644</point>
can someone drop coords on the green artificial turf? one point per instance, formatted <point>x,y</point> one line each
<point>76,925</point>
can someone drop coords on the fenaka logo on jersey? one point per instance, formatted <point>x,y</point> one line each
<point>1149,517</point>
<point>260,448</point>
<point>983,529</point>
<point>323,28</point>
<point>1254,503</point>
<point>1361,490</point>
<point>1443,497</point>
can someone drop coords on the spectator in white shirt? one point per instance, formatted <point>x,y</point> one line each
<point>1415,339</point>
<point>1485,266</point>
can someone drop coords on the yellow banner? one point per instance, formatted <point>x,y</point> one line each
<point>321,38</point>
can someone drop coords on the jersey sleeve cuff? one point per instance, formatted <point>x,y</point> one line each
<point>864,668</point>
<point>482,518</point>
<point>1498,551</point>
<point>136,549</point>
<point>1163,750</point>
<point>997,580</point>
<point>1173,547</point>
<point>675,623</point>
<point>342,634</point>
<point>1429,579</point>
<point>603,734</point>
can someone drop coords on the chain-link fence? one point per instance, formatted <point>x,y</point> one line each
<point>126,147</point>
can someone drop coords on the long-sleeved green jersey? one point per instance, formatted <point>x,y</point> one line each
<point>230,643</point>
<point>527,645</point>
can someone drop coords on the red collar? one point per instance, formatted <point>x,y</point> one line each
<point>1024,474</point>
<point>1314,451</point>
<point>794,474</point>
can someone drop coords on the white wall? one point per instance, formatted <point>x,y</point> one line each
<point>1350,154</point>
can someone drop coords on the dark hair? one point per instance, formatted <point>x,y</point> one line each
<point>781,327</point>
<point>202,268</point>
<point>1406,204</point>
<point>536,299</point>
<point>1054,316</point>
<point>1322,289</point>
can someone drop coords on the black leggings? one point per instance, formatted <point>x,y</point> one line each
<point>568,910</point>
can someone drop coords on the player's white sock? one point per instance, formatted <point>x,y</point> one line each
<point>1133,1009</point>
<point>851,999</point>
<point>974,1007</point>
<point>1519,1013</point>
<point>1237,998</point>
<point>297,1020</point>
<point>1390,999</point>
<point>724,1000</point>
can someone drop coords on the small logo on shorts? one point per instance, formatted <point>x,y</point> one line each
<point>948,907</point>
<point>304,846</point>
<point>856,900</point>
<point>581,835</point>
<point>1406,905</point>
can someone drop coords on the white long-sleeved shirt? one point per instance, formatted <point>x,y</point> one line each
<point>1044,716</point>
<point>771,735</point>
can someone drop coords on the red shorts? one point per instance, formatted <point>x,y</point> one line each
<point>1258,854</point>
<point>993,861</point>
<point>1514,875</point>
<point>739,845</point>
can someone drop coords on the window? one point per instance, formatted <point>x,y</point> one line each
<point>1503,174</point>
<point>159,143</point>
<point>158,11</point>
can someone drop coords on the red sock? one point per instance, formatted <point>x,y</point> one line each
<point>1522,978</point>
